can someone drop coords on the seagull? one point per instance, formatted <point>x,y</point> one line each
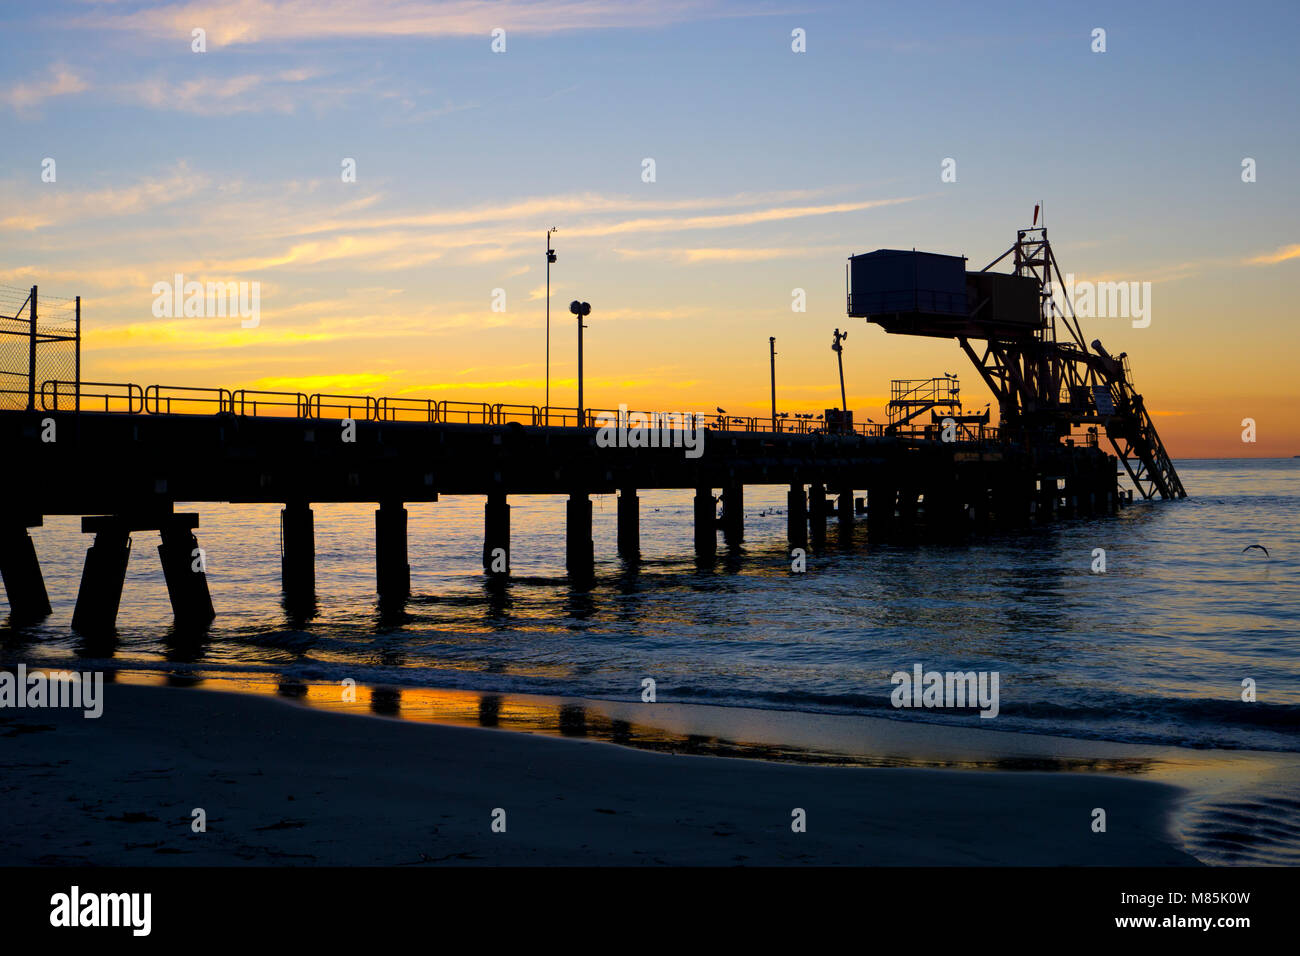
<point>721,411</point>
<point>1260,546</point>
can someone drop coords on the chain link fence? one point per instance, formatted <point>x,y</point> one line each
<point>31,356</point>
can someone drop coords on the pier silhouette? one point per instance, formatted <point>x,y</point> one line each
<point>122,455</point>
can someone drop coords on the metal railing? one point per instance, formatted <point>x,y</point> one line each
<point>343,406</point>
<point>408,410</point>
<point>185,400</point>
<point>129,398</point>
<point>245,401</point>
<point>58,396</point>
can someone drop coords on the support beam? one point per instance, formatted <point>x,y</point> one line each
<point>796,516</point>
<point>21,572</point>
<point>629,524</point>
<point>298,552</point>
<point>496,535</point>
<point>733,514</point>
<point>102,578</point>
<point>185,571</point>
<point>579,551</point>
<point>392,573</point>
<point>706,524</point>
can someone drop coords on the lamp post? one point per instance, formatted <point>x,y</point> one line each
<point>771,344</point>
<point>581,310</point>
<point>838,349</point>
<point>550,257</point>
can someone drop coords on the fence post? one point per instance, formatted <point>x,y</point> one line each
<point>76,401</point>
<point>31,357</point>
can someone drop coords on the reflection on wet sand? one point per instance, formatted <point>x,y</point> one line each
<point>593,720</point>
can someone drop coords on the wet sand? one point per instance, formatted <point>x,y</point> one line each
<point>287,784</point>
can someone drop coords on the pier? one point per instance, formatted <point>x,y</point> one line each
<point>123,456</point>
<point>126,470</point>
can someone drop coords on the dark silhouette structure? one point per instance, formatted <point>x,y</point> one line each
<point>122,455</point>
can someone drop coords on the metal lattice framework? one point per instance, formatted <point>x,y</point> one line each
<point>1047,386</point>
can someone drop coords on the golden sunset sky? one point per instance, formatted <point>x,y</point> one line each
<point>771,168</point>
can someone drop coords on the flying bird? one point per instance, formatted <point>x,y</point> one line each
<point>1260,546</point>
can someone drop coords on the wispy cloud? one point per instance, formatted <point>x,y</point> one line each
<point>723,254</point>
<point>222,96</point>
<point>1279,255</point>
<point>244,22</point>
<point>322,383</point>
<point>57,207</point>
<point>60,81</point>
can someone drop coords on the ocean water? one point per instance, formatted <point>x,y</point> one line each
<point>1155,650</point>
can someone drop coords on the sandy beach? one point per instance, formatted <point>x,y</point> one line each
<point>284,784</point>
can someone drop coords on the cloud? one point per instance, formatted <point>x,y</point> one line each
<point>729,220</point>
<point>66,208</point>
<point>717,254</point>
<point>573,204</point>
<point>314,384</point>
<point>246,22</point>
<point>1280,255</point>
<point>61,81</point>
<point>222,96</point>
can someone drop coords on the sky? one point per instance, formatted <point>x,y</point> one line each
<point>425,274</point>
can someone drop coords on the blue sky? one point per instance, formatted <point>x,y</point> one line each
<point>771,168</point>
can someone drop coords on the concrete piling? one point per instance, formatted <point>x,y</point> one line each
<point>817,511</point>
<point>579,551</point>
<point>298,552</point>
<point>796,510</point>
<point>102,577</point>
<point>496,535</point>
<point>185,571</point>
<point>392,572</point>
<point>733,514</point>
<point>21,572</point>
<point>706,523</point>
<point>629,524</point>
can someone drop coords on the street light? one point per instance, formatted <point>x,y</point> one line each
<point>550,257</point>
<point>771,344</point>
<point>581,310</point>
<point>838,349</point>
